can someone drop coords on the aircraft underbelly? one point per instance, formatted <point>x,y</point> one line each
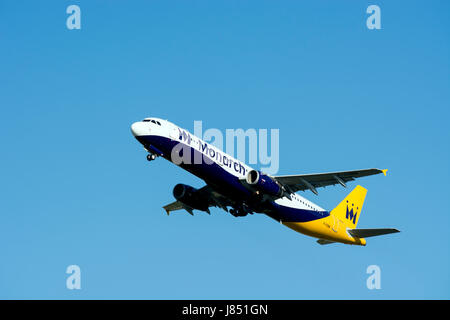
<point>322,229</point>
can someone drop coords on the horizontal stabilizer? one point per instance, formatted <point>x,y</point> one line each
<point>323,241</point>
<point>365,233</point>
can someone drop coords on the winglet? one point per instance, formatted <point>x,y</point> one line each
<point>384,171</point>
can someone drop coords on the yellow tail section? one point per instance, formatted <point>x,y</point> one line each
<point>350,208</point>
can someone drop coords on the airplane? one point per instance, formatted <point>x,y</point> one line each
<point>241,190</point>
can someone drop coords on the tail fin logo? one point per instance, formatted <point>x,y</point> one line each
<point>349,209</point>
<point>351,214</point>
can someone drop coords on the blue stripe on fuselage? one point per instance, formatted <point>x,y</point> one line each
<point>227,183</point>
<point>289,214</point>
<point>212,173</point>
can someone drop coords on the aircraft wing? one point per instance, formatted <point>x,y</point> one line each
<point>177,205</point>
<point>303,182</point>
<point>213,198</point>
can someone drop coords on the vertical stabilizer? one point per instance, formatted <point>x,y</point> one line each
<point>350,208</point>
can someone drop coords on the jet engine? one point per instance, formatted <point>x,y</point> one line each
<point>189,196</point>
<point>264,183</point>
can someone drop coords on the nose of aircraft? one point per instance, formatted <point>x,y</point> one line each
<point>139,129</point>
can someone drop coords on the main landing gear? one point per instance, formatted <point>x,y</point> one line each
<point>240,211</point>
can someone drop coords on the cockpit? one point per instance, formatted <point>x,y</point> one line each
<point>152,121</point>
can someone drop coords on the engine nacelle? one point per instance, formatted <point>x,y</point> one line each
<point>264,183</point>
<point>189,196</point>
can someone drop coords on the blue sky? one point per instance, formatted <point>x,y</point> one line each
<point>76,188</point>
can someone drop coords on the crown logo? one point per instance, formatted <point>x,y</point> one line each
<point>351,214</point>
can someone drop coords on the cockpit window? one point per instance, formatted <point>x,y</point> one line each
<point>152,121</point>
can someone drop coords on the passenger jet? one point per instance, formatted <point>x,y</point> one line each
<point>241,190</point>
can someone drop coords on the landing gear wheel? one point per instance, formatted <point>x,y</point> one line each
<point>151,157</point>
